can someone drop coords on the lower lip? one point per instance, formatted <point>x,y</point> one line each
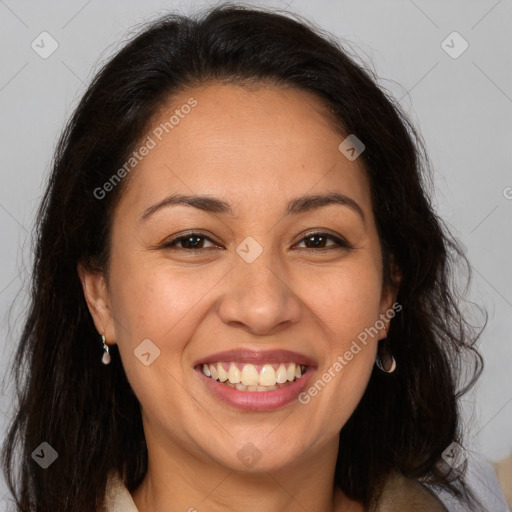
<point>257,400</point>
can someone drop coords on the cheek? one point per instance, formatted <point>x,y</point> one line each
<point>153,300</point>
<point>346,301</point>
<point>346,306</point>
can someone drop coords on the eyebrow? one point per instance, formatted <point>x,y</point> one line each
<point>295,206</point>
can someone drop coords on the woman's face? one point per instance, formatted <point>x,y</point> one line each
<point>255,269</point>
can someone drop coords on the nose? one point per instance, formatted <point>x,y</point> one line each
<point>259,297</point>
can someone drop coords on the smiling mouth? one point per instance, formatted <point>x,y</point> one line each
<point>254,377</point>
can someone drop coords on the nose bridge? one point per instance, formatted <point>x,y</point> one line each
<point>257,273</point>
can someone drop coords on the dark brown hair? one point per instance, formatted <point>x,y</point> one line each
<point>88,412</point>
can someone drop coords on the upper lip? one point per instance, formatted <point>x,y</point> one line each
<point>257,357</point>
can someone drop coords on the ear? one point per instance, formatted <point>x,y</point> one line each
<point>388,305</point>
<point>98,301</point>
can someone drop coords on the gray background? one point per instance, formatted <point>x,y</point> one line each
<point>462,105</point>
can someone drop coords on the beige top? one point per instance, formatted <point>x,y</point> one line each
<point>399,493</point>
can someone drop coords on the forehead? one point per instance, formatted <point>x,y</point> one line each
<point>260,144</point>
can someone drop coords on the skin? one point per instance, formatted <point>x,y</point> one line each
<point>255,149</point>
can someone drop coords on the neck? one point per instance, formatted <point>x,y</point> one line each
<point>177,481</point>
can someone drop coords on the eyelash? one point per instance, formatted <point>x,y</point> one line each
<point>340,243</point>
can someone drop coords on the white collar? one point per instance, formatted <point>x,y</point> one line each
<point>117,496</point>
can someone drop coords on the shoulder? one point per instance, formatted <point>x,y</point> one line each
<point>117,496</point>
<point>402,493</point>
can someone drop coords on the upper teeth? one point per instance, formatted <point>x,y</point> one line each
<point>248,375</point>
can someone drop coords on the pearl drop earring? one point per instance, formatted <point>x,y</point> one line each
<point>106,356</point>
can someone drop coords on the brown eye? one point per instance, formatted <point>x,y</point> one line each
<point>190,242</point>
<point>319,241</point>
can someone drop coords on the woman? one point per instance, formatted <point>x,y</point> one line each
<point>237,227</point>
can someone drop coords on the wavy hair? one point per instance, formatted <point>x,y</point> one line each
<point>88,412</point>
